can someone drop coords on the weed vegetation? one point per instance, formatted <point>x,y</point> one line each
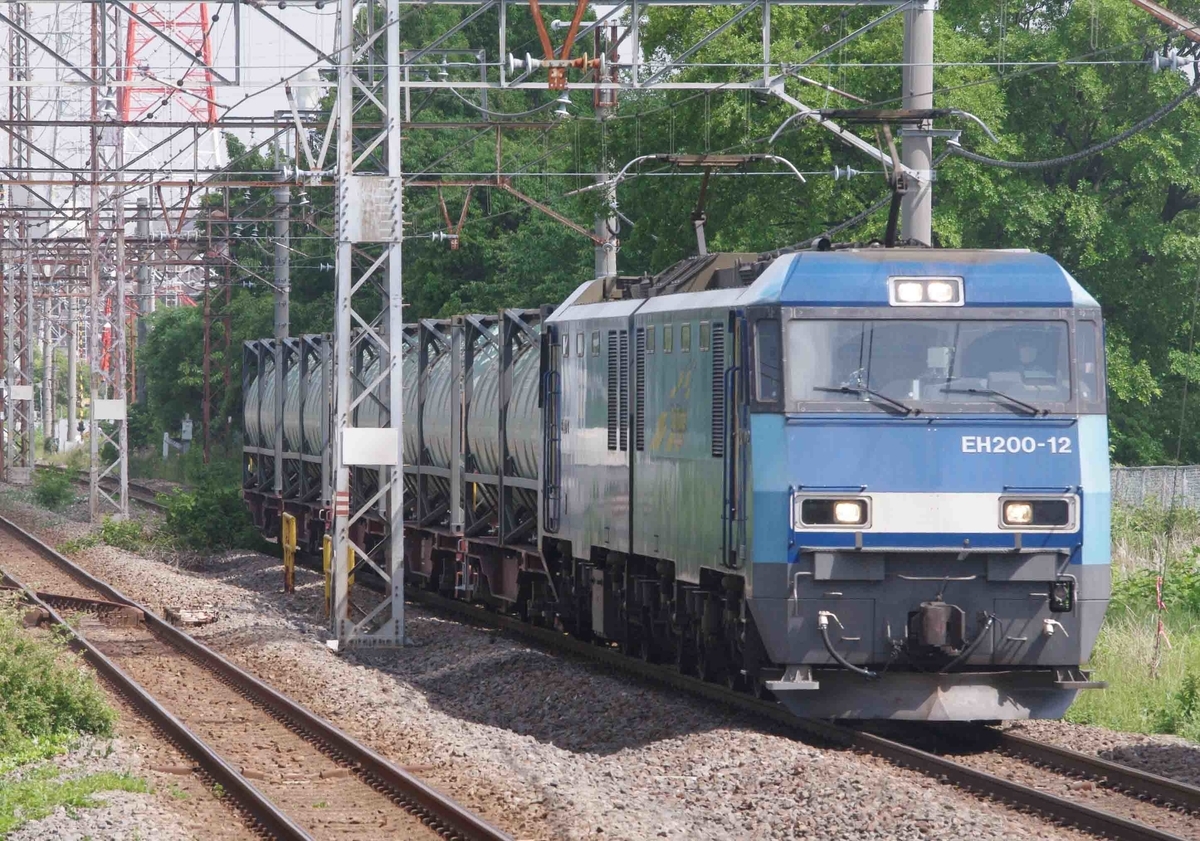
<point>123,534</point>
<point>209,517</point>
<point>53,489</point>
<point>39,793</point>
<point>1141,697</point>
<point>44,691</point>
<point>47,700</point>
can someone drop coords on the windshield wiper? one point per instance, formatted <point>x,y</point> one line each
<point>870,392</point>
<point>1029,408</point>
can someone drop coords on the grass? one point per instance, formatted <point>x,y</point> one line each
<point>189,468</point>
<point>45,693</point>
<point>41,792</point>
<point>47,700</point>
<point>1147,541</point>
<point>1134,700</point>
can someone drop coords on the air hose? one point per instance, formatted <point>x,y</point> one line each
<point>970,649</point>
<point>823,618</point>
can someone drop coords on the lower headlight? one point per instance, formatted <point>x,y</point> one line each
<point>1018,513</point>
<point>826,511</point>
<point>849,513</point>
<point>1036,513</point>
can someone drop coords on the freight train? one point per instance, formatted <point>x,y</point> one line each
<point>870,482</point>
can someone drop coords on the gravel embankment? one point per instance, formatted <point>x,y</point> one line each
<point>546,747</point>
<point>178,806</point>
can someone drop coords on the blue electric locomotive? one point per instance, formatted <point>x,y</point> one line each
<point>873,482</point>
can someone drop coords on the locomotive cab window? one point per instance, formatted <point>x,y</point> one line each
<point>650,338</point>
<point>579,340</point>
<point>566,346</point>
<point>705,333</point>
<point>1087,342</point>
<point>668,337</point>
<point>900,365</point>
<point>768,357</point>
<point>685,338</point>
<point>595,343</point>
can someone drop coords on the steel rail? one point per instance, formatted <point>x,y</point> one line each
<point>1162,790</point>
<point>437,810</point>
<point>264,815</point>
<point>1055,808</point>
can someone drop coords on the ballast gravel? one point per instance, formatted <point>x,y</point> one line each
<point>543,746</point>
<point>1167,756</point>
<point>178,805</point>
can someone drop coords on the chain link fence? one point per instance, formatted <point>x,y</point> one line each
<point>1137,486</point>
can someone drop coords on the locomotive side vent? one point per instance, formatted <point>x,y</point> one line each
<point>623,387</point>
<point>613,398</point>
<point>718,389</point>
<point>639,389</point>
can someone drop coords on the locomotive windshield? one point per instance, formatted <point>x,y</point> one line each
<point>1022,366</point>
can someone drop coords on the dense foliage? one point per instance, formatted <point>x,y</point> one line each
<point>1126,222</point>
<point>53,489</point>
<point>211,516</point>
<point>44,690</point>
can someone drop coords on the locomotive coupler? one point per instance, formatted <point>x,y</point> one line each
<point>938,625</point>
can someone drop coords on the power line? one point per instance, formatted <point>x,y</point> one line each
<point>1064,160</point>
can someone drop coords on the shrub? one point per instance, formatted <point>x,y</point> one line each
<point>1135,591</point>
<point>78,544</point>
<point>210,517</point>
<point>123,534</point>
<point>44,692</point>
<point>53,489</point>
<point>1181,713</point>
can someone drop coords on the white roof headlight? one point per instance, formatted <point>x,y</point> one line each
<point>940,292</point>
<point>911,292</point>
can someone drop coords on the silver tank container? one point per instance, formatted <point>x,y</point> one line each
<point>260,426</point>
<point>483,419</point>
<point>482,429</point>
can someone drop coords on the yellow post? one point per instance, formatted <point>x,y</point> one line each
<point>327,566</point>
<point>350,558</point>
<point>288,539</point>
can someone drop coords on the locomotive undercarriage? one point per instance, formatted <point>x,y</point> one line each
<point>636,603</point>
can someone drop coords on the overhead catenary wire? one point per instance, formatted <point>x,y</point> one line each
<point>1065,160</point>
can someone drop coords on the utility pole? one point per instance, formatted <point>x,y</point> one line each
<point>47,371</point>
<point>72,359</point>
<point>145,293</point>
<point>916,207</point>
<point>607,224</point>
<point>282,197</point>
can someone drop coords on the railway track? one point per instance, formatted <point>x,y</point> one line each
<point>290,773</point>
<point>1063,786</point>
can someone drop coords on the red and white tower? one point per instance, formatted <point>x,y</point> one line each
<point>158,31</point>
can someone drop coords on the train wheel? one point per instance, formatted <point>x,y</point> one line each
<point>710,660</point>
<point>685,653</point>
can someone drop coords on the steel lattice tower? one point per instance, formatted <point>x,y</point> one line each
<point>192,88</point>
<point>18,267</point>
